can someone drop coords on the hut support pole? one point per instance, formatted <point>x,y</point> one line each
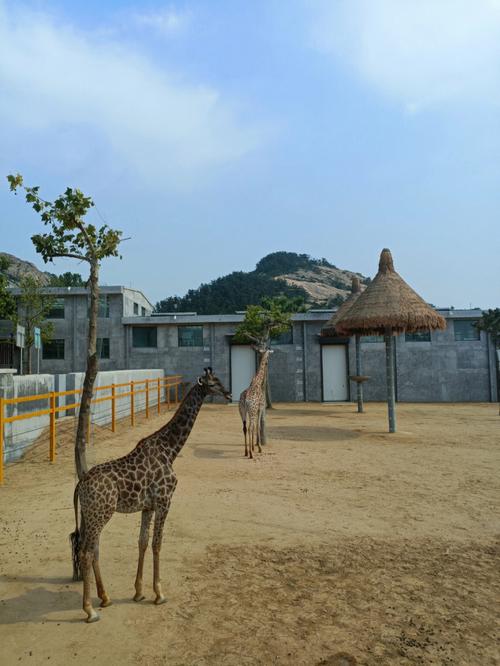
<point>389,366</point>
<point>359,372</point>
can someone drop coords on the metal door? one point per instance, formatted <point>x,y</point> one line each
<point>242,369</point>
<point>334,367</point>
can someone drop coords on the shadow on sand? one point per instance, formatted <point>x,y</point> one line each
<point>310,433</point>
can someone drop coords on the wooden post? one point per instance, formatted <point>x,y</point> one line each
<point>52,449</point>
<point>1,439</point>
<point>389,366</point>
<point>359,372</point>
<point>113,408</point>
<point>168,394</point>
<point>176,392</point>
<point>132,415</point>
<point>147,398</point>
<point>159,393</point>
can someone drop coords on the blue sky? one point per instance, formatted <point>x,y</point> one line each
<point>215,132</point>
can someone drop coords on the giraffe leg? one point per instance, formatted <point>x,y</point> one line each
<point>101,592</point>
<point>245,436</point>
<point>251,433</point>
<point>143,545</point>
<point>160,516</point>
<point>86,560</point>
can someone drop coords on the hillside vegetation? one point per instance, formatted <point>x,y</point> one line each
<point>318,282</point>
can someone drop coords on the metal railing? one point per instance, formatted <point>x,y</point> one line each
<point>169,386</point>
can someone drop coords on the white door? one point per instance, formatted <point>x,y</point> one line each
<point>242,369</point>
<point>334,360</point>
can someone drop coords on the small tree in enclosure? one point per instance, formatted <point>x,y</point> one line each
<point>33,307</point>
<point>7,301</point>
<point>71,237</point>
<point>264,322</point>
<point>490,322</point>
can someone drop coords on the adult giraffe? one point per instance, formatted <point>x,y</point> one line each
<point>252,406</point>
<point>143,480</point>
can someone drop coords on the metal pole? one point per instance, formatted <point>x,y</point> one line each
<point>359,371</point>
<point>52,450</point>
<point>113,408</point>
<point>389,366</point>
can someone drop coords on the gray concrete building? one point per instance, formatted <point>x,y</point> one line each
<point>455,365</point>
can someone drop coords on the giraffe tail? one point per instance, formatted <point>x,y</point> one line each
<point>76,539</point>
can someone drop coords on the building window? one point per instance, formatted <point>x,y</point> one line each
<point>57,309</point>
<point>103,347</point>
<point>53,349</point>
<point>421,336</point>
<point>466,330</point>
<point>372,338</point>
<point>143,311</point>
<point>136,308</point>
<point>285,338</point>
<point>144,336</point>
<point>102,306</point>
<point>190,336</point>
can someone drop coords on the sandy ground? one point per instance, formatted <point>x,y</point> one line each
<point>340,545</point>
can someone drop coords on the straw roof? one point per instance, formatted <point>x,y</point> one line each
<point>388,302</point>
<point>329,328</point>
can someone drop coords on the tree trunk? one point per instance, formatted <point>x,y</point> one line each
<point>269,404</point>
<point>262,433</point>
<point>28,359</point>
<point>359,371</point>
<point>389,365</point>
<point>90,374</point>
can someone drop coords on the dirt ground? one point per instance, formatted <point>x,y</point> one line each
<point>340,545</point>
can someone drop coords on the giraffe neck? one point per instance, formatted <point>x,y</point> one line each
<point>173,436</point>
<point>258,380</point>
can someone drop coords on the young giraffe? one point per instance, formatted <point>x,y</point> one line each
<point>252,406</point>
<point>143,480</point>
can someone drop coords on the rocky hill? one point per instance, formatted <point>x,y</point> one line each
<point>317,281</point>
<point>18,268</point>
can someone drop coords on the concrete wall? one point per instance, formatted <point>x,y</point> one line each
<point>101,412</point>
<point>20,435</point>
<point>442,370</point>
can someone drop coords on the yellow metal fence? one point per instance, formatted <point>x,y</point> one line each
<point>164,389</point>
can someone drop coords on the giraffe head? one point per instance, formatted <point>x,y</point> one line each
<point>212,384</point>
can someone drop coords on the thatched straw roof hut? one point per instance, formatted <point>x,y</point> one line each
<point>388,303</point>
<point>388,306</point>
<point>329,328</point>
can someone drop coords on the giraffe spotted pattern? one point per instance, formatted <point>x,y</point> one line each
<point>143,480</point>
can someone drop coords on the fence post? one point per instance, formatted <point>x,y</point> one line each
<point>168,394</point>
<point>52,450</point>
<point>176,392</point>
<point>147,398</point>
<point>159,395</point>
<point>132,415</point>
<point>1,440</point>
<point>113,408</point>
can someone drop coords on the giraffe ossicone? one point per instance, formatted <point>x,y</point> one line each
<point>143,480</point>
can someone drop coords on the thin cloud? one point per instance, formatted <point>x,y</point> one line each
<point>167,22</point>
<point>55,79</point>
<point>422,54</point>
